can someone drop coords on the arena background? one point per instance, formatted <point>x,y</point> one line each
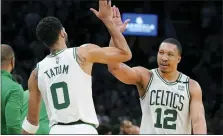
<point>197,25</point>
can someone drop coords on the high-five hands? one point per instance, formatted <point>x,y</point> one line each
<point>108,13</point>
<point>117,19</point>
<point>105,10</point>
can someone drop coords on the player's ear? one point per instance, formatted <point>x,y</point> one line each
<point>179,59</point>
<point>62,33</point>
<point>13,62</point>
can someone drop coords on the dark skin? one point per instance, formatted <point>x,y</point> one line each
<point>168,58</point>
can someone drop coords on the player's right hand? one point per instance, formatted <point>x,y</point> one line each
<point>105,10</point>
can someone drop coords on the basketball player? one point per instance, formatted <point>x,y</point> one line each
<point>63,78</point>
<point>171,102</point>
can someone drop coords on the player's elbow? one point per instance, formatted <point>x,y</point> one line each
<point>127,52</point>
<point>126,56</point>
<point>130,56</point>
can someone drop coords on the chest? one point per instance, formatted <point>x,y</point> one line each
<point>174,96</point>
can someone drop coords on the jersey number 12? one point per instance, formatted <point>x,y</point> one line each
<point>166,120</point>
<point>56,103</point>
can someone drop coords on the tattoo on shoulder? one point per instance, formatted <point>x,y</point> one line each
<point>80,59</point>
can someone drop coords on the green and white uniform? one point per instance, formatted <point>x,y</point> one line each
<point>67,93</point>
<point>165,106</point>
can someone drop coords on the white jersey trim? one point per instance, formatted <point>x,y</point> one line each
<point>166,82</point>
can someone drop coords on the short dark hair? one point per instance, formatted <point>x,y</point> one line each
<point>7,53</point>
<point>48,30</point>
<point>175,42</point>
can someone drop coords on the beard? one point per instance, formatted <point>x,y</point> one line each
<point>163,71</point>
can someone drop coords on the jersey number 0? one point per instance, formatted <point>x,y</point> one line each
<point>56,103</point>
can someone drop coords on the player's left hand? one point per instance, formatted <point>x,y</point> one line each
<point>117,19</point>
<point>105,10</point>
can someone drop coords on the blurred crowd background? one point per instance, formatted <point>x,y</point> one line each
<point>197,25</point>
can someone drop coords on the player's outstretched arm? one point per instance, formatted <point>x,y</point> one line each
<point>95,54</point>
<point>126,74</point>
<point>197,109</point>
<point>121,71</point>
<point>131,76</point>
<point>31,122</point>
<point>105,14</point>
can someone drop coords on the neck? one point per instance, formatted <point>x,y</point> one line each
<point>170,76</point>
<point>57,48</point>
<point>5,68</point>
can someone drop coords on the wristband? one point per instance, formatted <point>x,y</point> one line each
<point>28,127</point>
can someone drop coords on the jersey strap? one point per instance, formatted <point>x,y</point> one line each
<point>187,86</point>
<point>148,85</point>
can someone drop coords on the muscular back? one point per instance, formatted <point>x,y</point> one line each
<point>64,81</point>
<point>66,88</point>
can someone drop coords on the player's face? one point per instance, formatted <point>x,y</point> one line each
<point>168,57</point>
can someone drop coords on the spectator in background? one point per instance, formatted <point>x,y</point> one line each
<point>11,94</point>
<point>104,129</point>
<point>134,130</point>
<point>125,127</point>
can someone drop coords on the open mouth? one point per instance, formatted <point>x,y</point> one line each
<point>164,65</point>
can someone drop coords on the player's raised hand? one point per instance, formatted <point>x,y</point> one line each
<point>105,10</point>
<point>117,19</point>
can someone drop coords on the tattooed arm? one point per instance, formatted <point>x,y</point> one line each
<point>95,54</point>
<point>34,101</point>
